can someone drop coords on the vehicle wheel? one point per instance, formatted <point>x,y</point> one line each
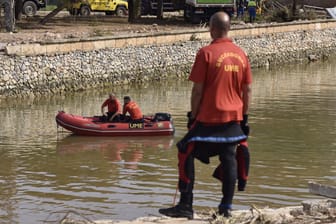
<point>29,8</point>
<point>85,10</point>
<point>121,11</point>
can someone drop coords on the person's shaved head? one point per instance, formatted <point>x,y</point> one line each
<point>219,25</point>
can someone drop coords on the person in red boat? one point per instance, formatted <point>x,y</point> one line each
<point>133,109</point>
<point>113,108</point>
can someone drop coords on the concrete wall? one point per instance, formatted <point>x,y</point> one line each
<point>97,43</point>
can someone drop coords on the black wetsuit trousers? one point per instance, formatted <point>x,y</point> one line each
<point>115,119</point>
<point>227,158</point>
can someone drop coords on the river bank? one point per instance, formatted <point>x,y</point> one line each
<point>312,212</point>
<point>79,70</point>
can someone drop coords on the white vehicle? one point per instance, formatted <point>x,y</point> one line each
<point>201,10</point>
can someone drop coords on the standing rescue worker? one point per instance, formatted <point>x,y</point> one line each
<point>221,92</point>
<point>240,9</point>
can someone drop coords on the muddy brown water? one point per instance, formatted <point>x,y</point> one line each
<point>45,173</point>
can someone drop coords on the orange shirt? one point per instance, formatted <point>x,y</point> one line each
<point>223,68</point>
<point>112,105</point>
<point>133,109</point>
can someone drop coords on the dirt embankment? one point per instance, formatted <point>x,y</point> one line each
<point>64,26</point>
<point>317,3</point>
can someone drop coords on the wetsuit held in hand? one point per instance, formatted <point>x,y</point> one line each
<point>244,125</point>
<point>191,120</point>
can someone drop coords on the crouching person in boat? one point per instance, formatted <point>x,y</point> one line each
<point>134,111</point>
<point>113,109</point>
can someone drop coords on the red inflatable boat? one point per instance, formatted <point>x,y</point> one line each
<point>158,124</point>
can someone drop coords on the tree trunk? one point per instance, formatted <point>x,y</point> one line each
<point>159,13</point>
<point>18,9</point>
<point>9,15</point>
<point>134,10</point>
<point>130,11</point>
<point>294,8</point>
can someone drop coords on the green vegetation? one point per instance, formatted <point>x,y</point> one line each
<point>49,8</point>
<point>214,2</point>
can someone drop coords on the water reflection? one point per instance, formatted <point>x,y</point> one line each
<point>293,119</point>
<point>128,151</point>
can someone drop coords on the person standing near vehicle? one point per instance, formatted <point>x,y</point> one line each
<point>113,108</point>
<point>220,98</point>
<point>240,9</point>
<point>132,108</point>
<point>252,10</point>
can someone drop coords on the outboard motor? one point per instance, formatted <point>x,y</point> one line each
<point>162,117</point>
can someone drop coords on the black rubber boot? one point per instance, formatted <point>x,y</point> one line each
<point>178,211</point>
<point>182,210</point>
<point>224,212</point>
